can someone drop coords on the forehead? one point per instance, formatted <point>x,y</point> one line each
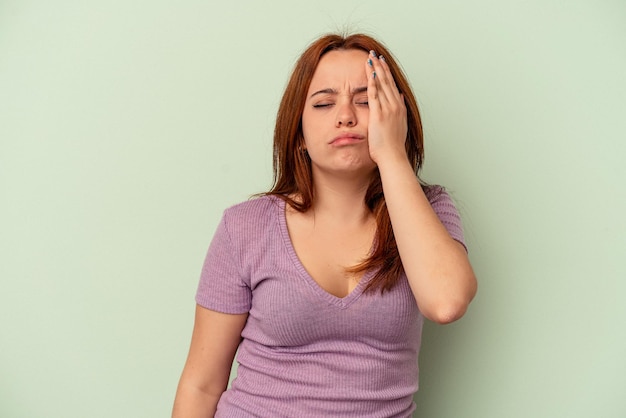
<point>336,68</point>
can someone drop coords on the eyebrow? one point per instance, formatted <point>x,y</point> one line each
<point>356,90</point>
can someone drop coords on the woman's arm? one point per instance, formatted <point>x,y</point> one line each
<point>214,342</point>
<point>437,266</point>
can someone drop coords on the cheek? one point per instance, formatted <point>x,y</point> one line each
<point>364,116</point>
<point>305,121</point>
<point>309,128</point>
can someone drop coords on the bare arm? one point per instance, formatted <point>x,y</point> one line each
<point>437,266</point>
<point>214,342</point>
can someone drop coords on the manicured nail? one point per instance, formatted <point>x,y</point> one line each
<point>373,53</point>
<point>373,74</point>
<point>381,58</point>
<point>369,62</point>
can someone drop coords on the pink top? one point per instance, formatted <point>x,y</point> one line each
<point>305,352</point>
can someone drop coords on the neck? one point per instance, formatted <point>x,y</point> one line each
<point>341,199</point>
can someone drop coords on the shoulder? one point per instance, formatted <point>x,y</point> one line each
<point>438,195</point>
<point>441,201</point>
<point>255,206</point>
<point>252,213</point>
<point>446,210</point>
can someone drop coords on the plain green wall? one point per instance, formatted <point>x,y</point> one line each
<point>127,126</point>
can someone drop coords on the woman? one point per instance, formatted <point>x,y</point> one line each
<point>323,282</point>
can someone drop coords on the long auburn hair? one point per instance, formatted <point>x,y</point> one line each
<point>292,165</point>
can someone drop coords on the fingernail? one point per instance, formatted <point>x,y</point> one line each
<point>369,62</point>
<point>373,74</point>
<point>381,58</point>
<point>373,53</point>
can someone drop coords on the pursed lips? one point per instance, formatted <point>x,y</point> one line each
<point>347,139</point>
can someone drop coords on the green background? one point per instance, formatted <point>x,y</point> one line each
<point>126,127</point>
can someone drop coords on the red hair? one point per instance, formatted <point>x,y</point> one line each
<point>292,166</point>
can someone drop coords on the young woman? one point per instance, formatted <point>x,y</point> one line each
<point>323,282</point>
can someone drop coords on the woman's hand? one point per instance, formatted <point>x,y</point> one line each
<point>436,266</point>
<point>387,128</point>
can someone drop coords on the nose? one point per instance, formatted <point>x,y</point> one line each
<point>346,116</point>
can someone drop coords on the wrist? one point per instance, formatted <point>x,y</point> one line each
<point>393,161</point>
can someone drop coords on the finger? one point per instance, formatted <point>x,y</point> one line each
<point>372,83</point>
<point>389,95</point>
<point>380,76</point>
<point>387,88</point>
<point>389,81</point>
<point>388,91</point>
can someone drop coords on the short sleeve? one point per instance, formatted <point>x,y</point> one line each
<point>222,286</point>
<point>443,206</point>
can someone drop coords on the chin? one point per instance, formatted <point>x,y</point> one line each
<point>348,163</point>
<point>364,169</point>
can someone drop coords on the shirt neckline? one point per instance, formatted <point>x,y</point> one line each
<point>343,302</point>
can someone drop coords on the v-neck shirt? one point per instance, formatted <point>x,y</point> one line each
<point>306,352</point>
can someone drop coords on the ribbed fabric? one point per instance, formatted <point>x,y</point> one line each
<point>305,352</point>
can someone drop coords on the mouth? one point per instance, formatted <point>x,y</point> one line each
<point>347,139</point>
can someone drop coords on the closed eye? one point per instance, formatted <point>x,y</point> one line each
<point>361,98</point>
<point>322,105</point>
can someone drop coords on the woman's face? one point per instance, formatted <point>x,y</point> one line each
<point>336,113</point>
